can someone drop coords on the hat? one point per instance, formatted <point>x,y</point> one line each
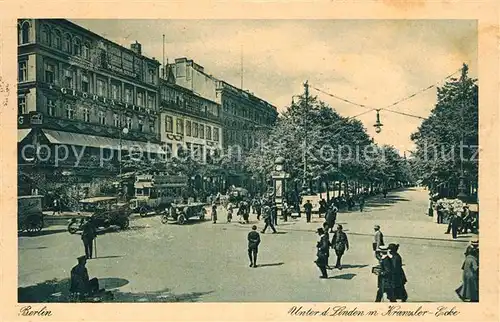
<point>82,258</point>
<point>376,227</point>
<point>382,249</point>
<point>339,226</point>
<point>475,243</point>
<point>393,247</point>
<point>320,230</point>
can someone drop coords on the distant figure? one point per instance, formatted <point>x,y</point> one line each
<point>230,207</point>
<point>398,274</point>
<point>322,207</point>
<point>325,228</point>
<point>257,207</point>
<point>469,291</point>
<point>384,192</point>
<point>274,213</point>
<point>89,233</point>
<point>268,220</point>
<point>378,240</point>
<point>361,202</point>
<point>385,279</point>
<point>253,246</point>
<point>323,246</point>
<point>80,282</point>
<point>340,244</point>
<point>440,213</point>
<point>214,213</point>
<point>308,209</point>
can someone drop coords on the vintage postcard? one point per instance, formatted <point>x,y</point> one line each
<point>249,161</point>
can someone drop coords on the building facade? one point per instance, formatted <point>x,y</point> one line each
<point>188,122</point>
<point>79,90</point>
<point>244,116</point>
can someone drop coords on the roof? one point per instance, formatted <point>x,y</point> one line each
<point>98,199</point>
<point>83,29</point>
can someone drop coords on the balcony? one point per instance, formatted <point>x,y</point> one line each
<point>190,110</point>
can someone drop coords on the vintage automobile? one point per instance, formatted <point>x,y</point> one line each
<point>103,211</point>
<point>29,214</point>
<point>180,213</point>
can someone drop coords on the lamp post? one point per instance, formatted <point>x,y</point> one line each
<point>279,175</point>
<point>125,132</point>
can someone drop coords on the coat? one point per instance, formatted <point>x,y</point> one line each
<point>470,277</point>
<point>253,240</point>
<point>331,217</point>
<point>79,279</point>
<point>378,240</point>
<point>398,273</point>
<point>89,231</point>
<point>386,278</point>
<point>340,242</point>
<point>323,249</point>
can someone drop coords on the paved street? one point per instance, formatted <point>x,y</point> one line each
<point>201,261</point>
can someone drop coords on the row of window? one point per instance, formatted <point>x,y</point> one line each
<point>188,102</point>
<point>192,129</point>
<point>69,81</point>
<point>70,113</point>
<point>255,115</point>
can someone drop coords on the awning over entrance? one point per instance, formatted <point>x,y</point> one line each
<point>60,137</point>
<point>22,134</point>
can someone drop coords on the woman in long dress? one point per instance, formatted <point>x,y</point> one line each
<point>469,291</point>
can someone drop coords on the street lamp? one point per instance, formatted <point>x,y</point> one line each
<point>125,132</point>
<point>378,125</point>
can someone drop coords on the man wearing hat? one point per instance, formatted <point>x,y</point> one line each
<point>340,244</point>
<point>323,246</point>
<point>399,276</point>
<point>89,233</point>
<point>308,209</point>
<point>80,282</point>
<point>385,277</point>
<point>378,240</point>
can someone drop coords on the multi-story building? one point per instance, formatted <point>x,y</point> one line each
<point>79,90</point>
<point>244,116</point>
<point>188,122</point>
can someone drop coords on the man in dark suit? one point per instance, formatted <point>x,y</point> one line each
<point>378,240</point>
<point>340,244</point>
<point>308,209</point>
<point>268,220</point>
<point>385,279</point>
<point>253,246</point>
<point>80,282</point>
<point>323,246</point>
<point>88,235</point>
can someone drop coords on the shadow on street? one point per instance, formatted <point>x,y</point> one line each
<point>272,264</point>
<point>57,291</point>
<point>42,232</point>
<point>348,276</point>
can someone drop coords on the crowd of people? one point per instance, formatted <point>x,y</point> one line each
<point>459,221</point>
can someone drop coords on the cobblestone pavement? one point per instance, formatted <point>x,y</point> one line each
<point>201,261</point>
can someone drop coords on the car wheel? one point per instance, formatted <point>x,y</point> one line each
<point>143,212</point>
<point>73,227</point>
<point>181,220</point>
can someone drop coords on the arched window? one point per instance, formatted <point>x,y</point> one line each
<point>67,43</point>
<point>56,39</point>
<point>45,35</point>
<point>86,50</point>
<point>77,47</point>
<point>25,33</point>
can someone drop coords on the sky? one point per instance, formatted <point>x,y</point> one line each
<point>370,62</point>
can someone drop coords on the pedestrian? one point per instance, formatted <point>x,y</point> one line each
<point>214,213</point>
<point>384,192</point>
<point>258,209</point>
<point>385,276</point>
<point>378,240</point>
<point>322,207</point>
<point>325,229</point>
<point>454,222</point>
<point>274,214</point>
<point>253,246</point>
<point>469,290</point>
<point>230,207</point>
<point>245,210</point>
<point>330,218</point>
<point>268,220</point>
<point>80,283</point>
<point>398,274</point>
<point>323,246</point>
<point>55,204</point>
<point>308,209</point>
<point>88,235</point>
<point>286,212</point>
<point>340,243</point>
<point>440,213</point>
<point>361,202</point>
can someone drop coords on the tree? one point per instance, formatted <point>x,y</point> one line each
<point>453,121</point>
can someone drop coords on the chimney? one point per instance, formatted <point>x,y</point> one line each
<point>136,48</point>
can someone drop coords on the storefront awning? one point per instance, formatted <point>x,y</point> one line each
<point>141,185</point>
<point>60,137</point>
<point>22,134</point>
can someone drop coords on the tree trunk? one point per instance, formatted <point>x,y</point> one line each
<point>327,191</point>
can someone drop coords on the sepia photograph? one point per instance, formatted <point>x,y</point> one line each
<point>185,161</point>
